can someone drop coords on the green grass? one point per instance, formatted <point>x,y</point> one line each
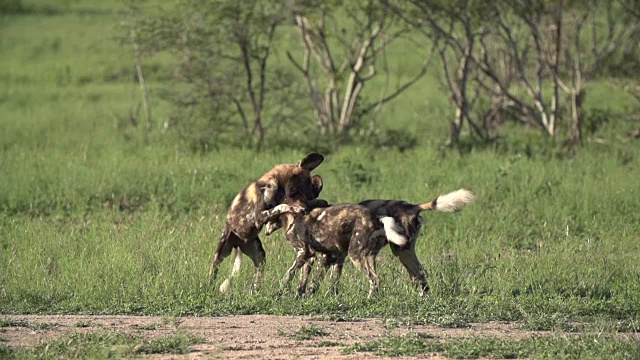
<point>145,327</point>
<point>102,345</point>
<point>85,324</point>
<point>45,326</point>
<point>537,347</point>
<point>310,332</point>
<point>545,238</point>
<point>173,344</point>
<point>77,346</point>
<point>93,219</point>
<point>329,344</point>
<point>13,323</point>
<point>25,323</point>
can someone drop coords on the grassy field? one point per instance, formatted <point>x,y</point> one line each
<point>95,221</point>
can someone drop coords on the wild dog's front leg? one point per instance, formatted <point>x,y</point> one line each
<point>324,262</point>
<point>304,277</point>
<point>272,225</point>
<point>273,214</point>
<point>336,273</point>
<point>223,249</point>
<point>302,255</point>
<point>256,252</point>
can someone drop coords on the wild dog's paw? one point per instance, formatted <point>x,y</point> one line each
<point>275,211</point>
<point>282,208</point>
<point>298,210</point>
<point>294,209</point>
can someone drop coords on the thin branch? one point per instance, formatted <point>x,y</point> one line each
<point>403,87</point>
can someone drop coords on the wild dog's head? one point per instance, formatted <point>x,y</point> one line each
<point>316,182</point>
<point>292,181</point>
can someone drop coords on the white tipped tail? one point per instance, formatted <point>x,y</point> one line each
<point>393,231</point>
<point>236,268</point>
<point>450,202</point>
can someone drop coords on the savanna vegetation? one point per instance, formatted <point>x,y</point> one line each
<point>126,129</point>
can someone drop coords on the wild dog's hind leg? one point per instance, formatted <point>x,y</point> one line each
<point>328,261</point>
<point>253,248</point>
<point>234,271</point>
<point>336,273</point>
<point>324,262</point>
<point>364,245</point>
<point>409,259</point>
<point>223,249</point>
<point>361,262</point>
<point>374,281</point>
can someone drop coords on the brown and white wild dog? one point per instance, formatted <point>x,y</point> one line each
<point>336,231</point>
<point>244,217</point>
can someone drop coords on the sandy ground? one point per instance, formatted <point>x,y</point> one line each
<point>242,337</point>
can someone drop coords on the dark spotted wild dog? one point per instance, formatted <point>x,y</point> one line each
<point>243,222</point>
<point>402,223</point>
<point>336,231</point>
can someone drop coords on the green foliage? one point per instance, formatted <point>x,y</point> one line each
<point>224,80</point>
<point>410,344</point>
<point>84,324</point>
<point>174,344</point>
<point>106,345</point>
<point>329,344</point>
<point>97,222</point>
<point>11,7</point>
<point>549,347</point>
<point>540,241</point>
<point>103,345</point>
<point>13,323</point>
<point>310,332</point>
<point>44,326</point>
<point>145,327</point>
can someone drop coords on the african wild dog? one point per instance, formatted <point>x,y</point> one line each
<point>400,220</point>
<point>404,220</point>
<point>335,231</point>
<point>244,221</point>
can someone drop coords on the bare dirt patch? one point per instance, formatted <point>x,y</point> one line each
<point>241,337</point>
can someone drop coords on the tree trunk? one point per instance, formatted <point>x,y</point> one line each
<point>456,128</point>
<point>575,130</point>
<point>139,70</point>
<point>555,99</point>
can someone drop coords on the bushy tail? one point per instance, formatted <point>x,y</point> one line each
<point>450,202</point>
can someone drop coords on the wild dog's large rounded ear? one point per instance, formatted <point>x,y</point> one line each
<point>316,182</point>
<point>311,161</point>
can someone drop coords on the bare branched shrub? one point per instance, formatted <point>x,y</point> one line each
<point>342,44</point>
<point>526,59</point>
<point>224,78</point>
